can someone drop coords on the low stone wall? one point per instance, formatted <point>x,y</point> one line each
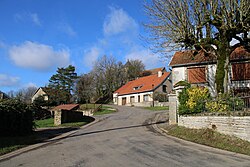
<point>148,104</point>
<point>230,125</point>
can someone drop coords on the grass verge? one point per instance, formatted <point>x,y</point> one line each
<point>157,108</point>
<point>12,143</point>
<point>45,123</point>
<point>50,123</point>
<point>211,138</point>
<point>105,110</point>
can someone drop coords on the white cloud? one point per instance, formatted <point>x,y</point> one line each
<point>91,56</point>
<point>8,81</point>
<point>118,21</point>
<point>149,59</point>
<point>38,56</point>
<point>35,19</point>
<point>28,17</point>
<point>30,84</point>
<point>67,29</point>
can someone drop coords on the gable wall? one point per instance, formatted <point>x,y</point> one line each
<point>40,92</point>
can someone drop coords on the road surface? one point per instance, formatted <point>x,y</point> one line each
<point>125,139</point>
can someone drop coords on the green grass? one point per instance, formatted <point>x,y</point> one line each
<point>73,124</point>
<point>89,106</point>
<point>211,138</point>
<point>50,123</point>
<point>105,110</point>
<point>45,123</point>
<point>8,144</point>
<point>157,108</point>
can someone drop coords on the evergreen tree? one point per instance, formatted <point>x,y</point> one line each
<point>61,84</point>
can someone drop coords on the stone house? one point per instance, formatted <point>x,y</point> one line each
<point>140,91</point>
<point>3,95</point>
<point>40,92</point>
<point>199,69</point>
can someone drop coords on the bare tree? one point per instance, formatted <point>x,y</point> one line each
<point>133,69</point>
<point>105,76</point>
<point>208,25</point>
<point>84,88</point>
<point>25,94</point>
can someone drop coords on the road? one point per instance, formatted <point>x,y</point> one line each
<point>125,139</point>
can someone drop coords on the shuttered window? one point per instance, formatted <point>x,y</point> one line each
<point>241,71</point>
<point>197,75</point>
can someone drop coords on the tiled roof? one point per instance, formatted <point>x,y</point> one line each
<point>239,54</point>
<point>190,57</point>
<point>143,84</point>
<point>66,107</point>
<point>194,57</point>
<point>155,70</point>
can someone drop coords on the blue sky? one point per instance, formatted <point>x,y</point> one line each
<point>37,36</point>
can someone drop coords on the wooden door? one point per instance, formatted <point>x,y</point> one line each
<point>123,100</point>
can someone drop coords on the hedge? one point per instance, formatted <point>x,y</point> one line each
<point>15,118</point>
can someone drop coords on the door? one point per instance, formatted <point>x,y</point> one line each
<point>123,100</point>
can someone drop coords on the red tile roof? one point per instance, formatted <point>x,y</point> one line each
<point>66,107</point>
<point>190,57</point>
<point>194,57</point>
<point>147,83</point>
<point>155,70</point>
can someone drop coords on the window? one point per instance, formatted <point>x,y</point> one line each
<point>197,75</point>
<point>138,87</point>
<point>145,97</point>
<point>139,98</point>
<point>240,71</point>
<point>164,88</point>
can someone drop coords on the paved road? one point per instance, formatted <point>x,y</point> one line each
<point>124,139</point>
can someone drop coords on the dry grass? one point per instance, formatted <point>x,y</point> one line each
<point>211,138</point>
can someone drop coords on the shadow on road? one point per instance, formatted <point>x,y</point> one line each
<point>48,133</point>
<point>111,129</point>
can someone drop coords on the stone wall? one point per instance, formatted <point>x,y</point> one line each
<point>148,104</point>
<point>57,117</point>
<point>237,126</point>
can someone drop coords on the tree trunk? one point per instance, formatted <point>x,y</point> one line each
<point>221,77</point>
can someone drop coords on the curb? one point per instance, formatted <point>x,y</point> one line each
<point>213,149</point>
<point>44,143</point>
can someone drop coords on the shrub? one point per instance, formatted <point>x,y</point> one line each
<point>183,83</point>
<point>15,118</point>
<point>161,97</point>
<point>40,113</point>
<point>224,103</point>
<point>192,100</point>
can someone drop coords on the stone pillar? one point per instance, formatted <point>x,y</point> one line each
<point>173,105</point>
<point>58,117</point>
<point>173,118</point>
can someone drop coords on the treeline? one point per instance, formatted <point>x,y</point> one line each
<point>65,86</point>
<point>107,75</point>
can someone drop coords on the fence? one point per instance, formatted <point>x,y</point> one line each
<point>244,94</point>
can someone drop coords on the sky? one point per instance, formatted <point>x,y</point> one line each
<point>38,36</point>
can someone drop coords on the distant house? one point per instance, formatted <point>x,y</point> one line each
<point>139,92</point>
<point>199,69</point>
<point>3,95</point>
<point>40,92</point>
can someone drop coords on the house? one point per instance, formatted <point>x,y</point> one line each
<point>40,92</point>
<point>199,69</point>
<point>140,91</point>
<point>3,95</point>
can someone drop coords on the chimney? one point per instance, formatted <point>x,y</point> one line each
<point>159,73</point>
